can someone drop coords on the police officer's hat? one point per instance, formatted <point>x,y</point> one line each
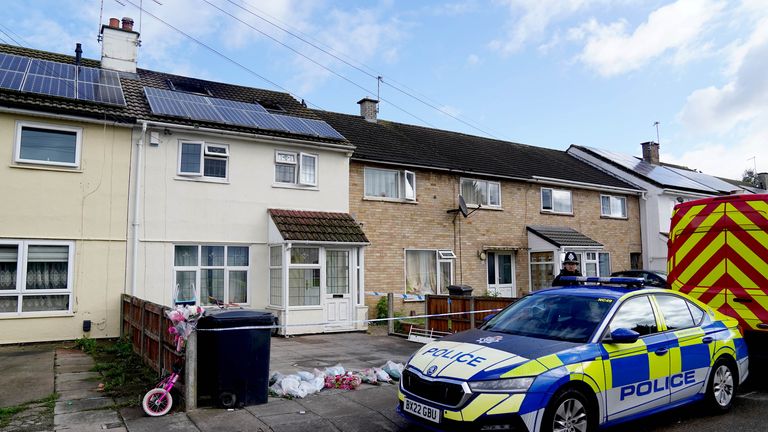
<point>571,258</point>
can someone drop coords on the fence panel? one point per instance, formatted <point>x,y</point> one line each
<point>443,304</point>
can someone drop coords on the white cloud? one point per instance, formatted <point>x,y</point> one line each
<point>473,60</point>
<point>611,49</point>
<point>531,18</point>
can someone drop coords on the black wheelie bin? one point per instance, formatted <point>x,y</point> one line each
<point>233,357</point>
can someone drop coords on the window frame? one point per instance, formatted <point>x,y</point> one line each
<point>198,268</point>
<point>306,266</point>
<point>21,277</point>
<point>606,332</point>
<point>596,261</point>
<point>488,184</point>
<point>205,154</point>
<point>298,164</point>
<point>401,183</point>
<point>623,200</point>
<point>20,125</point>
<point>439,289</point>
<point>688,304</point>
<point>552,196</point>
<point>554,262</point>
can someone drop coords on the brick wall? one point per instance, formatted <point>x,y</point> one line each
<point>393,227</point>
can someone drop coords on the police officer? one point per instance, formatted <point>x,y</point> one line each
<point>570,268</point>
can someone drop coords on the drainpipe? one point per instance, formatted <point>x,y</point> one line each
<point>136,199</point>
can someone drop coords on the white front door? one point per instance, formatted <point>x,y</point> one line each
<point>338,297</point>
<point>501,273</point>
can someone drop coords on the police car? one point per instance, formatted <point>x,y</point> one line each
<point>577,358</point>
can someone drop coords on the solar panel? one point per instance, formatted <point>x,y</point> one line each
<point>323,129</point>
<point>13,62</point>
<point>295,125</point>
<point>237,105</point>
<point>98,76</point>
<point>49,86</point>
<point>10,79</point>
<point>100,93</point>
<point>52,69</point>
<point>706,180</point>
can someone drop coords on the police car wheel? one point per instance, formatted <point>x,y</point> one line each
<point>568,411</point>
<point>722,385</point>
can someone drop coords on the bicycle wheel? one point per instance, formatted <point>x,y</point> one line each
<point>157,402</point>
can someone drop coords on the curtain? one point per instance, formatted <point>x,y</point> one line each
<point>45,303</point>
<point>185,286</point>
<point>212,256</point>
<point>308,170</point>
<point>185,256</point>
<point>474,191</point>
<point>9,304</point>
<point>238,286</point>
<point>421,272</point>
<point>381,183</point>
<point>285,173</point>
<point>46,275</point>
<point>212,284</point>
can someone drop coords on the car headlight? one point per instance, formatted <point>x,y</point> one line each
<point>513,385</point>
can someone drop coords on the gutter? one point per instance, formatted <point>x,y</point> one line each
<point>63,117</point>
<point>136,199</point>
<point>315,242</point>
<point>347,148</point>
<point>582,185</point>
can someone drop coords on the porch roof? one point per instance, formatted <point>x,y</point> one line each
<point>563,236</point>
<point>315,226</point>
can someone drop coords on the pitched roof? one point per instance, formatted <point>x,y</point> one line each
<point>317,226</point>
<point>563,236</point>
<point>137,106</point>
<point>404,144</point>
<point>665,175</point>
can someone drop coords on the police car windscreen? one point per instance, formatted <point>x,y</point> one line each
<point>558,317</point>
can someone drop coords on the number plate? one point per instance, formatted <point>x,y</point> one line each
<point>421,410</point>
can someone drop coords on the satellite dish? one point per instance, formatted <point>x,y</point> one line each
<point>463,207</point>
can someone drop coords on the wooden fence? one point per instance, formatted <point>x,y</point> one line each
<point>443,304</point>
<point>146,326</point>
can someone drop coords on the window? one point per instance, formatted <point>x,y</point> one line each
<point>200,159</point>
<point>481,192</point>
<point>428,271</point>
<point>596,264</point>
<point>635,260</point>
<point>613,206</point>
<point>276,275</point>
<point>556,201</point>
<point>635,314</point>
<point>384,183</point>
<point>304,277</point>
<point>188,87</point>
<point>219,271</point>
<point>542,270</point>
<point>295,168</point>
<point>47,144</point>
<point>35,277</point>
<point>675,312</point>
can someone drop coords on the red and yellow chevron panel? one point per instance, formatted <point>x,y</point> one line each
<point>718,254</point>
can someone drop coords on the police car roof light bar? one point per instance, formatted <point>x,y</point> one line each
<point>629,281</point>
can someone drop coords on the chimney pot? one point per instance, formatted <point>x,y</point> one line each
<point>369,109</point>
<point>114,23</point>
<point>127,24</point>
<point>651,152</point>
<point>78,53</point>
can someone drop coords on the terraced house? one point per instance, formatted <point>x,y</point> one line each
<point>528,206</point>
<point>173,189</point>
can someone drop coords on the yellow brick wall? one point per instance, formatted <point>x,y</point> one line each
<point>393,227</point>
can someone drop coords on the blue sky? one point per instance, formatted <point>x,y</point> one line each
<point>548,73</point>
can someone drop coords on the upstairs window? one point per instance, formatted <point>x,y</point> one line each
<point>556,201</point>
<point>199,159</point>
<point>613,206</point>
<point>295,168</point>
<point>385,183</point>
<point>48,144</point>
<point>481,192</point>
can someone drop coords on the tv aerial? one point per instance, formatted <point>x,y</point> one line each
<point>463,208</point>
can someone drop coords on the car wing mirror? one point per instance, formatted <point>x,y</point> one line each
<point>488,317</point>
<point>623,336</point>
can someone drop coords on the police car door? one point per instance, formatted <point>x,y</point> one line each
<point>690,351</point>
<point>636,373</point>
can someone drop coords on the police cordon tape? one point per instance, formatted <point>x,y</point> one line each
<point>340,323</point>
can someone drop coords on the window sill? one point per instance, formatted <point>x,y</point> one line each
<point>492,208</point>
<point>202,179</point>
<point>556,213</point>
<point>25,315</point>
<point>614,217</point>
<point>392,200</point>
<point>47,168</point>
<point>311,307</point>
<point>294,186</point>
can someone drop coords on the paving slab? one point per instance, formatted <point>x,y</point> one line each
<point>364,422</point>
<point>28,371</point>
<point>77,385</point>
<point>74,367</point>
<point>171,422</point>
<point>84,393</point>
<point>275,406</point>
<point>97,419</point>
<point>74,360</point>
<point>71,406</point>
<point>226,421</point>
<point>76,376</point>
<point>381,399</point>
<point>333,406</point>
<point>297,422</point>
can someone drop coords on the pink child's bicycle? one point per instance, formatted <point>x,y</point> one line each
<point>158,401</point>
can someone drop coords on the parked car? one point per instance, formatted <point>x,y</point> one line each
<point>577,358</point>
<point>650,277</point>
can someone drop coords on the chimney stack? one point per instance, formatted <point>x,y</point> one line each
<point>119,45</point>
<point>369,108</point>
<point>651,152</point>
<point>763,179</point>
<point>78,53</point>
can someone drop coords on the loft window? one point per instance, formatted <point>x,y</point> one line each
<point>272,107</point>
<point>188,87</point>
